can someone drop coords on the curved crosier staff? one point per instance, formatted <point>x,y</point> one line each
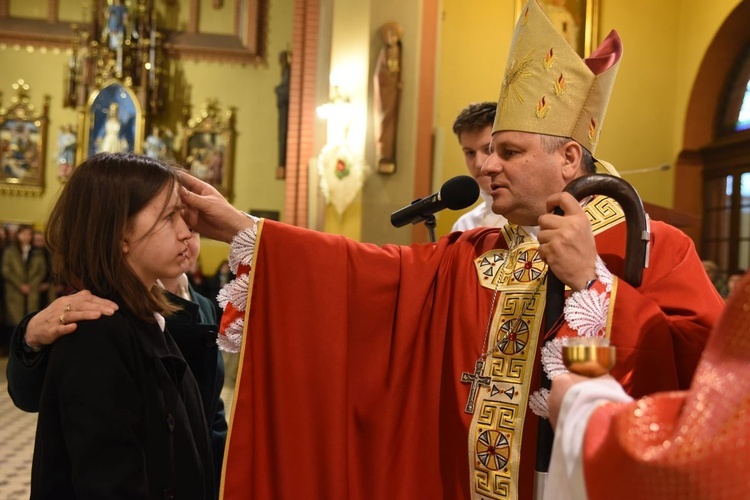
<point>636,258</point>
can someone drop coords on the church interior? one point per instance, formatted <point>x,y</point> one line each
<point>274,103</point>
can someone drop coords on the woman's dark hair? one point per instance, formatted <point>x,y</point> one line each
<point>87,226</point>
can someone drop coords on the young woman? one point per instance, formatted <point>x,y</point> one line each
<point>120,414</point>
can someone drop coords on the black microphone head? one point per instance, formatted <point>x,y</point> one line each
<point>459,192</point>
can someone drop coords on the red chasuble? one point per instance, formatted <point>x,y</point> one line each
<point>349,383</point>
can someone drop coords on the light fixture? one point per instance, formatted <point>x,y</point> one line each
<point>338,109</point>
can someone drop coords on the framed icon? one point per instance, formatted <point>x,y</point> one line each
<point>113,121</point>
<point>23,143</point>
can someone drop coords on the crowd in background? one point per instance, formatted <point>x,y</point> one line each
<point>25,275</point>
<point>26,283</point>
<point>723,281</point>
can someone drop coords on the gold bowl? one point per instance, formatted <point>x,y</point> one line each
<point>589,360</point>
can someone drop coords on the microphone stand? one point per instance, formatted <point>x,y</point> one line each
<point>430,222</point>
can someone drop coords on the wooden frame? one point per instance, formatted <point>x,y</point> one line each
<point>112,121</point>
<point>208,147</point>
<point>582,14</point>
<point>23,144</point>
<point>247,44</point>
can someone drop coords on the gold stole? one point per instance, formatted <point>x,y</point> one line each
<point>496,430</point>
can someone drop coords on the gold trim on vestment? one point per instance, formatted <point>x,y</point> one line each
<point>496,431</point>
<point>238,380</point>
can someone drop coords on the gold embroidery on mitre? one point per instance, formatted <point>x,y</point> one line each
<point>525,18</point>
<point>549,59</point>
<point>593,131</point>
<point>515,73</point>
<point>542,107</point>
<point>560,85</point>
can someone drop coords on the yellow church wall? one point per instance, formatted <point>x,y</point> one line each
<point>698,26</point>
<point>637,132</point>
<point>250,89</point>
<point>474,42</point>
<point>217,20</point>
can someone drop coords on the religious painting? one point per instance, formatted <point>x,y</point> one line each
<point>208,147</point>
<point>23,133</point>
<point>576,20</point>
<point>113,121</point>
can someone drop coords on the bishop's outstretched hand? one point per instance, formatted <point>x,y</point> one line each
<point>208,212</point>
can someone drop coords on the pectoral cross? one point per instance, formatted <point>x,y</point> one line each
<point>475,379</point>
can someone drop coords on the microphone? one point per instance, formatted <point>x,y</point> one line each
<point>457,193</point>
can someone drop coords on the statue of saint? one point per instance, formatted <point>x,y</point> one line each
<point>66,151</point>
<point>282,103</point>
<point>111,141</point>
<point>387,86</point>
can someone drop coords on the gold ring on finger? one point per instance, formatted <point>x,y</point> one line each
<point>67,308</point>
<point>62,319</point>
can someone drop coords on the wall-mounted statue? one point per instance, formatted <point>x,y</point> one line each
<point>387,87</point>
<point>282,103</point>
<point>67,142</point>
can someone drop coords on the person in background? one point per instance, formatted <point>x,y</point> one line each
<point>120,412</point>
<point>197,279</point>
<point>473,128</point>
<point>23,272</point>
<point>219,280</point>
<point>193,326</point>
<point>712,270</point>
<point>686,444</point>
<point>732,280</point>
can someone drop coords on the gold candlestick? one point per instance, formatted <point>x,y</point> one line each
<point>590,357</point>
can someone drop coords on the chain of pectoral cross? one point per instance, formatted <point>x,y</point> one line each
<point>476,379</point>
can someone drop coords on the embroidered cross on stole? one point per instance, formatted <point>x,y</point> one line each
<point>497,425</point>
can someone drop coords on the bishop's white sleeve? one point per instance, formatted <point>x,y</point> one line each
<point>232,297</point>
<point>565,480</point>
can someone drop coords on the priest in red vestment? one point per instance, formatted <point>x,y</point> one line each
<point>402,372</point>
<point>682,444</point>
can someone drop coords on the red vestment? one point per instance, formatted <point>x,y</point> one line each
<point>691,444</point>
<point>349,384</point>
